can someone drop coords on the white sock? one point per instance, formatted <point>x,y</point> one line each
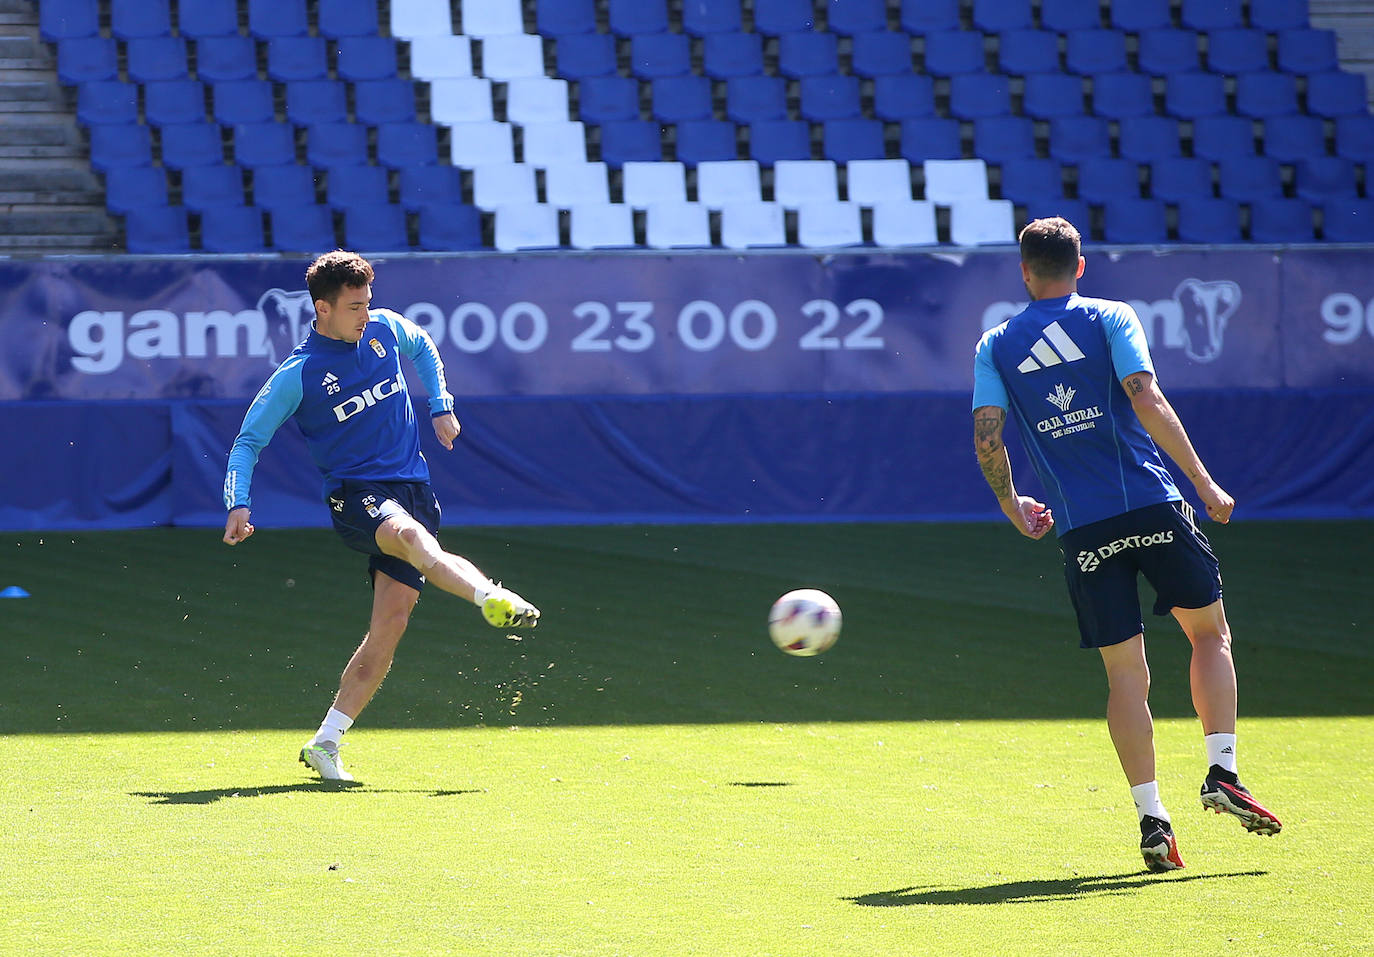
<point>1221,750</point>
<point>333,728</point>
<point>1146,797</point>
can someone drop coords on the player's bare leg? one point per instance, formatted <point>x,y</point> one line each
<point>1128,709</point>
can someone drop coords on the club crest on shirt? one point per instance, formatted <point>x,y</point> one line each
<point>378,348</point>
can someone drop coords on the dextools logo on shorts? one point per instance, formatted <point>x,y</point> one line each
<point>1090,560</point>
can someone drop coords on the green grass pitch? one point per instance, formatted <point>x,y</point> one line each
<point>644,774</point>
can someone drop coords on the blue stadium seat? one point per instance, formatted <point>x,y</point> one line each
<point>1064,16</point>
<point>602,98</point>
<point>1211,14</point>
<point>752,98</point>
<point>157,229</point>
<point>848,17</point>
<point>732,54</point>
<point>226,58</point>
<point>1074,210</point>
<point>807,54</point>
<point>140,18</point>
<point>1281,221</point>
<point>933,137</point>
<point>558,18</point>
<point>291,59</point>
<point>87,59</point>
<point>336,144</point>
<point>1105,179</point>
<point>1292,138</point>
<point>1193,96</point>
<point>660,54</point>
<point>1134,220</point>
<point>1024,180</point>
<point>192,144</point>
<point>402,145</point>
<point>707,18</point>
<point>1000,138</point>
<point>954,51</point>
<point>581,55</point>
<point>174,101</point>
<point>676,98</point>
<point>630,17</point>
<point>437,185</point>
<point>268,19</point>
<point>384,101</point>
<point>450,227</point>
<point>131,187</point>
<point>1028,51</point>
<point>1180,177</point>
<point>209,187</point>
<point>1355,137</point>
<point>243,101</point>
<point>68,19</point>
<point>930,16</point>
<point>366,58</point>
<point>119,146</point>
<point>903,97</point>
<point>232,229</point>
<point>1053,94</point>
<point>1148,138</point>
<point>1223,136</point>
<point>829,97</point>
<point>852,139</point>
<point>1348,221</point>
<point>264,144</point>
<point>998,16</point>
<point>1248,178</point>
<point>305,228</point>
<point>972,95</point>
<point>1337,94</point>
<point>353,185</point>
<point>1325,178</point>
<point>775,17</point>
<point>200,20</point>
<point>156,58</point>
<point>1135,16</point>
<point>1274,15</point>
<point>1209,220</point>
<point>289,185</point>
<point>347,18</point>
<point>1265,94</point>
<point>1307,51</point>
<point>773,140</point>
<point>881,53</point>
<point>1096,51</point>
<point>107,101</point>
<point>1237,51</point>
<point>630,141</point>
<point>1119,95</point>
<point>316,101</point>
<point>1076,138</point>
<point>705,140</point>
<point>1167,51</point>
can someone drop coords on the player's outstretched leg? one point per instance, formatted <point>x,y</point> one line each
<point>503,608</point>
<point>1157,845</point>
<point>1222,791</point>
<point>324,758</point>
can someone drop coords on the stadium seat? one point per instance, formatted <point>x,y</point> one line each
<point>982,222</point>
<point>676,225</point>
<point>1149,138</point>
<point>1134,220</point>
<point>132,187</point>
<point>1194,96</point>
<point>200,20</point>
<point>626,141</point>
<point>747,225</point>
<point>450,227</point>
<point>955,181</point>
<point>68,19</point>
<point>996,16</point>
<point>881,53</point>
<point>336,144</point>
<point>701,141</point>
<point>1237,51</point>
<point>232,229</point>
<point>438,185</point>
<point>706,18</point>
<point>1119,95</point>
<point>1249,178</point>
<point>527,226</point>
<point>412,19</point>
<point>1064,16</point>
<point>954,51</point>
<point>264,144</point>
<point>869,182</point>
<point>1272,15</point>
<point>1027,179</point>
<point>974,95</point>
<point>86,60</point>
<point>440,58</point>
<point>537,100</point>
<point>677,98</point>
<point>157,229</point>
<point>632,17</point>
<point>374,58</point>
<point>929,16</point>
<point>491,18</point>
<point>291,59</point>
<point>852,139</point>
<point>603,98</point>
<point>1164,52</point>
<point>1307,51</point>
<point>107,101</point>
<point>347,18</point>
<point>1134,16</point>
<point>347,186</point>
<point>401,145</point>
<point>192,144</point>
<point>316,101</point>
<point>727,183</point>
<point>1028,51</point>
<point>460,100</point>
<point>775,17</point>
<point>897,98</point>
<point>824,225</point>
<point>1180,177</point>
<point>376,227</point>
<point>727,55</point>
<point>1211,14</point>
<point>1337,94</point>
<point>644,184</point>
<point>268,19</point>
<point>140,18</point>
<point>1292,138</point>
<point>305,228</point>
<point>1223,136</point>
<point>807,54</point>
<point>287,185</point>
<point>1075,138</point>
<point>601,226</point>
<point>1265,94</point>
<point>802,181</point>
<point>660,54</point>
<point>240,101</point>
<point>999,138</point>
<point>226,58</point>
<point>1281,221</point>
<point>585,55</point>
<point>1326,178</point>
<point>1053,94</point>
<point>211,187</point>
<point>149,59</point>
<point>904,223</point>
<point>384,101</point>
<point>1095,51</point>
<point>503,184</point>
<point>1075,211</point>
<point>1209,220</point>
<point>749,99</point>
<point>934,137</point>
<point>557,18</point>
<point>1355,137</point>
<point>569,184</point>
<point>773,140</point>
<point>1348,221</point>
<point>828,98</point>
<point>549,143</point>
<point>1105,179</point>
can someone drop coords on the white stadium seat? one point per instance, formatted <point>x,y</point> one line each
<point>421,18</point>
<point>676,225</point>
<point>821,225</point>
<point>953,181</point>
<point>526,226</point>
<point>537,99</point>
<point>877,181</point>
<point>980,222</point>
<point>503,184</point>
<point>907,222</point>
<point>804,181</point>
<point>513,56</point>
<point>489,18</point>
<point>743,225</point>
<point>645,184</point>
<point>573,184</point>
<point>547,144</point>
<point>440,58</point>
<point>478,143</point>
<point>724,182</point>
<point>460,100</point>
<point>601,226</point>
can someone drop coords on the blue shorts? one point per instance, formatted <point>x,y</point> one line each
<point>1102,560</point>
<point>359,507</point>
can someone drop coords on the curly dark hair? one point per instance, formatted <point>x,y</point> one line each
<point>331,272</point>
<point>1050,248</point>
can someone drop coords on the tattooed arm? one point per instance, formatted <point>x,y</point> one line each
<point>1164,426</point>
<point>1030,517</point>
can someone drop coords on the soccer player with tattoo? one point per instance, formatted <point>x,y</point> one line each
<point>1077,376</point>
<point>346,390</point>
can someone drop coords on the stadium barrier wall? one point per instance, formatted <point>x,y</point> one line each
<point>667,388</point>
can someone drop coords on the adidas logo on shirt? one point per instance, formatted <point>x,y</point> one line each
<point>330,383</point>
<point>1052,348</point>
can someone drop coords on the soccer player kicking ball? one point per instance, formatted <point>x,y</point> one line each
<point>346,390</point>
<point>1078,376</point>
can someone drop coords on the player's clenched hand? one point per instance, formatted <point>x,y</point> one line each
<point>237,527</point>
<point>446,427</point>
<point>1218,503</point>
<point>1031,518</point>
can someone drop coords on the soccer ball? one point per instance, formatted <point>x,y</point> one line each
<point>804,622</point>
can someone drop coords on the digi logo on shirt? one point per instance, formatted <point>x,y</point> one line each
<point>368,397</point>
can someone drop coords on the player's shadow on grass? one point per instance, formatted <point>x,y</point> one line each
<point>210,796</point>
<point>1030,892</point>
